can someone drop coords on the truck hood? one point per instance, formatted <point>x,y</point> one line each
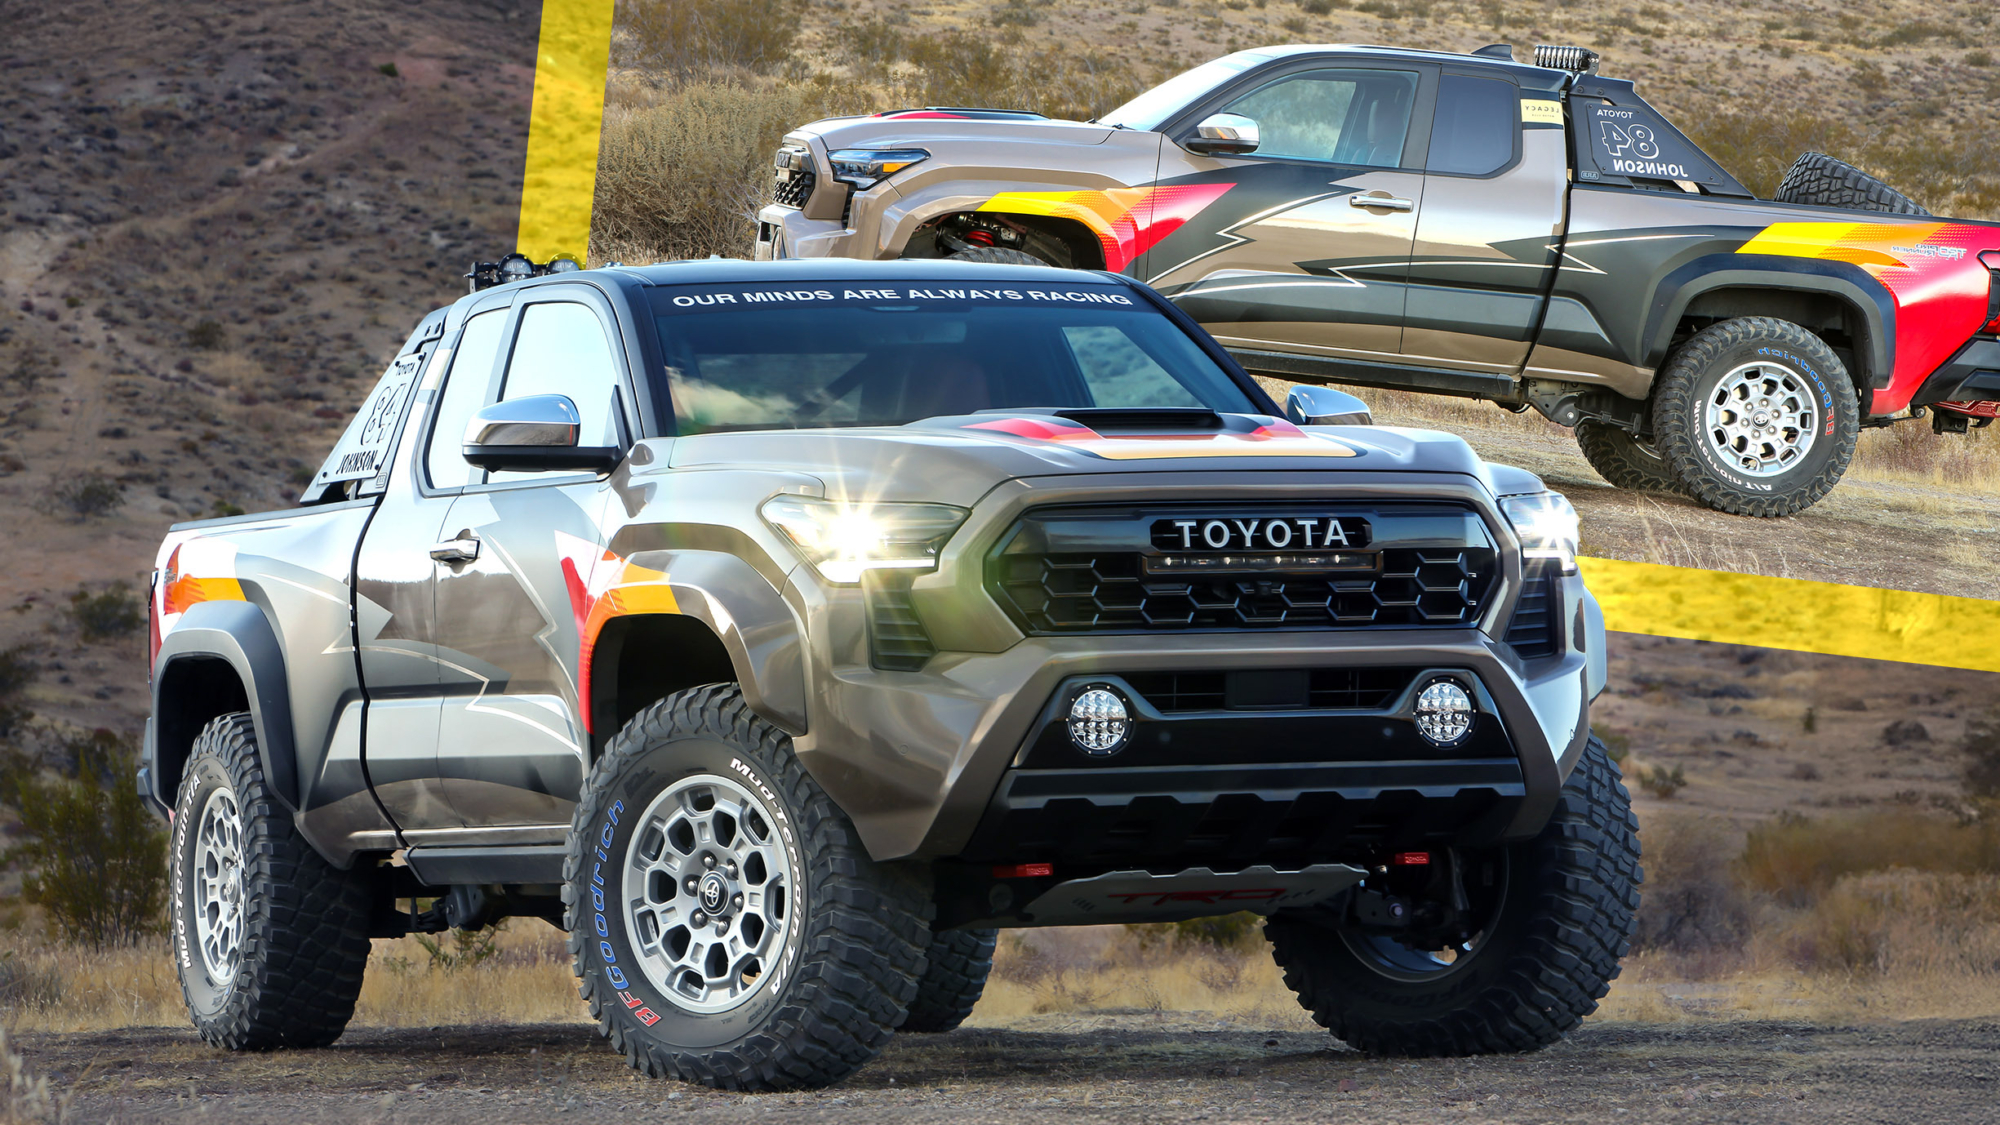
<point>957,460</point>
<point>889,131</point>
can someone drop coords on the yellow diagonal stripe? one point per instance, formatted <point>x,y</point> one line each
<point>1792,613</point>
<point>563,128</point>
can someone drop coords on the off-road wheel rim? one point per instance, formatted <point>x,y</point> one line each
<point>1761,419</point>
<point>709,892</point>
<point>1395,959</point>
<point>218,886</point>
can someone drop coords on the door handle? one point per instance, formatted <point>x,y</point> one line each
<point>1385,202</point>
<point>462,548</point>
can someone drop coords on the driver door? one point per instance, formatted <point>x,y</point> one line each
<point>512,749</point>
<point>1297,255</point>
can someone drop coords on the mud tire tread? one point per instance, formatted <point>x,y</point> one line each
<point>1822,181</point>
<point>1581,926</point>
<point>1613,451</point>
<point>1676,420</point>
<point>857,973</point>
<point>960,961</point>
<point>305,936</point>
<point>997,256</point>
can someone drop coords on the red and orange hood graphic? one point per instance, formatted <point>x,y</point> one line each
<point>1254,436</point>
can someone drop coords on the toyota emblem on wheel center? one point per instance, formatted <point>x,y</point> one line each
<point>713,890</point>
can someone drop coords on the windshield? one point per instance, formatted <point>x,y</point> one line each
<point>767,356</point>
<point>1151,109</point>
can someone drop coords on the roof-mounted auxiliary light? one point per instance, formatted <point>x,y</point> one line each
<point>1583,60</point>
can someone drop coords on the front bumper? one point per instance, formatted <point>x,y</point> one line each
<point>918,759</point>
<point>785,232</point>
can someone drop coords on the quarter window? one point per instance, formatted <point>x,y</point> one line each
<point>1356,117</point>
<point>1477,121</point>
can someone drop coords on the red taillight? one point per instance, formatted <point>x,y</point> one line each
<point>1024,871</point>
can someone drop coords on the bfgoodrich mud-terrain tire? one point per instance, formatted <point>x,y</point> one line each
<point>1548,955</point>
<point>727,925</point>
<point>956,978</point>
<point>1822,181</point>
<point>1757,416</point>
<point>997,256</point>
<point>269,939</point>
<point>1622,459</point>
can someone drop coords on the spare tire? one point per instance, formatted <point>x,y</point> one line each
<point>1820,180</point>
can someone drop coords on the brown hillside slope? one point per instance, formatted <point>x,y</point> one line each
<point>217,222</point>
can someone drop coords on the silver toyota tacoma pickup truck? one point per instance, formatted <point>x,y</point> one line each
<point>783,630</point>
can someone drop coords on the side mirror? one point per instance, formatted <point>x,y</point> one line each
<point>1223,134</point>
<point>535,434</point>
<point>1324,406</point>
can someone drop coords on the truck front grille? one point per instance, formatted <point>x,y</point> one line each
<point>1110,592</point>
<point>794,187</point>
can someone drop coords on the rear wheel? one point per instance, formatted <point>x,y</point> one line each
<point>959,961</point>
<point>1548,920</point>
<point>1757,416</point>
<point>1623,459</point>
<point>727,926</point>
<point>270,940</point>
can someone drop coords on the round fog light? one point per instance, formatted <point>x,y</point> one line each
<point>1444,712</point>
<point>1098,722</point>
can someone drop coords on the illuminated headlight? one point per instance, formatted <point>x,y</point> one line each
<point>1444,711</point>
<point>1547,526</point>
<point>842,539</point>
<point>1099,722</point>
<point>866,167</point>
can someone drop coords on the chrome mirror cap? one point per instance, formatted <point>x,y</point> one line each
<point>538,433</point>
<point>1324,406</point>
<point>1224,134</point>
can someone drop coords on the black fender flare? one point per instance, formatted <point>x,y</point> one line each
<point>240,635</point>
<point>1848,283</point>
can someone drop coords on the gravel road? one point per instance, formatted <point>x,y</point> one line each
<point>1129,1066</point>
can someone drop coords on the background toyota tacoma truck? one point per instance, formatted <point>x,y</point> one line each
<point>782,630</point>
<point>1535,235</point>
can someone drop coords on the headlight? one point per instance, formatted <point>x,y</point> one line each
<point>866,167</point>
<point>841,540</point>
<point>1547,526</point>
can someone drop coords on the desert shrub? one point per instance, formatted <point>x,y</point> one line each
<point>1759,145</point>
<point>464,948</point>
<point>81,497</point>
<point>1237,933</point>
<point>682,38</point>
<point>206,335</point>
<point>112,612</point>
<point>1796,859</point>
<point>1663,782</point>
<point>90,851</point>
<point>24,1097</point>
<point>1692,901</point>
<point>1903,922</point>
<point>683,178</point>
<point>1982,755</point>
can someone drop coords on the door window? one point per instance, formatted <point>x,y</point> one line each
<point>1357,117</point>
<point>562,349</point>
<point>1476,125</point>
<point>465,390</point>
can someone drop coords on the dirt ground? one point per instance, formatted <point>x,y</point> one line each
<point>1132,1066</point>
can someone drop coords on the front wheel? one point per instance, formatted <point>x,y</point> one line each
<point>726,923</point>
<point>1757,416</point>
<point>1550,918</point>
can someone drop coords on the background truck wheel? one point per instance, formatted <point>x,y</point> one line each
<point>1756,416</point>
<point>1819,179</point>
<point>269,939</point>
<point>1622,459</point>
<point>997,255</point>
<point>727,925</point>
<point>959,961</point>
<point>1563,916</point>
